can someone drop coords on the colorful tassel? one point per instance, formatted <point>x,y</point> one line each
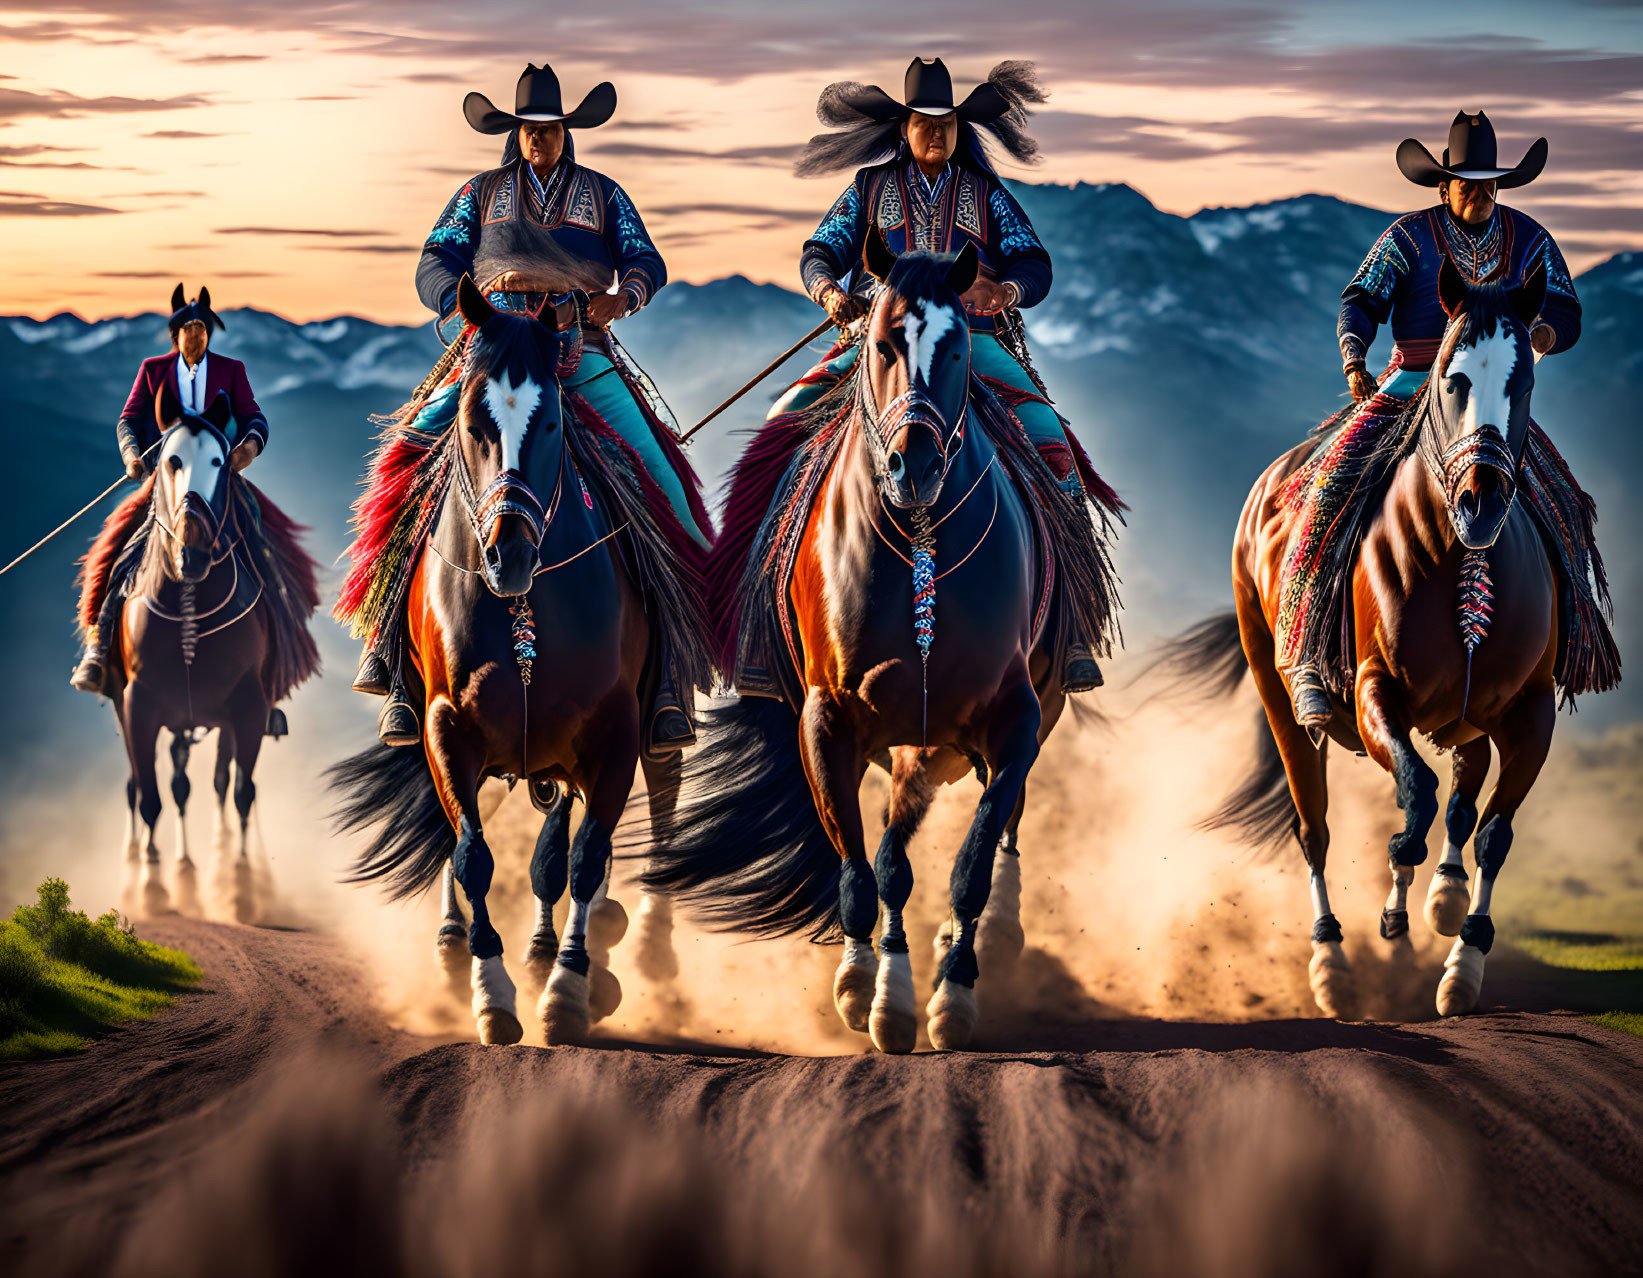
<point>924,599</point>
<point>524,637</point>
<point>1475,605</point>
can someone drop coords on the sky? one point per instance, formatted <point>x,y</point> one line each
<point>293,153</point>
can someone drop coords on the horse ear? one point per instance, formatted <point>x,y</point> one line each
<point>962,273</point>
<point>877,256</point>
<point>472,303</point>
<point>179,299</point>
<point>205,298</point>
<point>167,408</point>
<point>1451,288</point>
<point>1528,297</point>
<point>219,411</point>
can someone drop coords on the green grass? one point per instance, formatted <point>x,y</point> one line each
<point>65,978</point>
<point>1583,951</point>
<point>1625,1022</point>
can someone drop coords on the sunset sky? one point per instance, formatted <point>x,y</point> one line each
<point>294,154</point>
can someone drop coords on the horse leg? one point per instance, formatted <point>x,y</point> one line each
<point>999,936</point>
<point>222,839</point>
<point>1306,771</point>
<point>566,1004</point>
<point>456,766</point>
<point>1446,898</point>
<point>833,765</point>
<point>188,880</point>
<point>451,942</point>
<point>1523,737</point>
<point>892,1019</point>
<point>549,866</point>
<point>249,717</point>
<point>129,897</point>
<point>658,961</point>
<point>1012,747</point>
<point>142,734</point>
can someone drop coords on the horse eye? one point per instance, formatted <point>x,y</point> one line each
<point>176,462</point>
<point>886,350</point>
<point>216,461</point>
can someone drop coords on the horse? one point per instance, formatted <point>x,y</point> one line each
<point>1455,618</point>
<point>200,645</point>
<point>525,529</point>
<point>914,527</point>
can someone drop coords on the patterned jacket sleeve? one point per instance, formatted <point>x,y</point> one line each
<point>135,430</point>
<point>1366,303</point>
<point>1026,260</point>
<point>835,249</point>
<point>448,252</point>
<point>640,271</point>
<point>246,413</point>
<point>1561,309</point>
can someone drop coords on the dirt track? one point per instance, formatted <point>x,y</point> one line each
<point>274,1121</point>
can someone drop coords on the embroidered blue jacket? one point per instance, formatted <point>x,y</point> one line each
<point>579,229</point>
<point>1399,280</point>
<point>964,206</point>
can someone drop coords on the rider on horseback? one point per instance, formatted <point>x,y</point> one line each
<point>537,233</point>
<point>1398,284</point>
<point>197,378</point>
<point>929,185</point>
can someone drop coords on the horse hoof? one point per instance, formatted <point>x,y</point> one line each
<point>1394,923</point>
<point>188,890</point>
<point>604,992</point>
<point>564,1008</point>
<point>953,1015</point>
<point>245,893</point>
<point>853,983</point>
<point>451,945</point>
<point>1447,904</point>
<point>658,961</point>
<point>156,900</point>
<point>1462,980</point>
<point>607,925</point>
<point>499,1027</point>
<point>540,954</point>
<point>1333,987</point>
<point>891,1021</point>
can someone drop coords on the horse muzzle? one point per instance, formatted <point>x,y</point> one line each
<point>511,524</point>
<point>1480,483</point>
<point>197,534</point>
<point>915,462</point>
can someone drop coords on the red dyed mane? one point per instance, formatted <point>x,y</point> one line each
<point>96,563</point>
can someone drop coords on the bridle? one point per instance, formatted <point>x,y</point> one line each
<point>217,548</point>
<point>912,405</point>
<point>1485,446</point>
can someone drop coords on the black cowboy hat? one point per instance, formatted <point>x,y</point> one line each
<point>1470,156</point>
<point>928,90</point>
<point>536,100</point>
<point>183,310</point>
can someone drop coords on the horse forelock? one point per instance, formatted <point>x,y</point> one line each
<point>510,348</point>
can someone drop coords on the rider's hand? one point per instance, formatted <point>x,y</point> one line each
<point>245,452</point>
<point>843,308</point>
<point>603,308</point>
<point>1361,384</point>
<point>135,469</point>
<point>985,297</point>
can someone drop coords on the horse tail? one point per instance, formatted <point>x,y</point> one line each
<point>747,851</point>
<point>1209,660</point>
<point>393,790</point>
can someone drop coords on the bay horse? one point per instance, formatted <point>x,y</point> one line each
<point>769,838</point>
<point>529,643</point>
<point>199,644</point>
<point>1418,602</point>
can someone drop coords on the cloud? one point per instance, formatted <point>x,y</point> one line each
<point>298,230</point>
<point>179,134</point>
<point>763,218</point>
<point>19,103</point>
<point>217,59</point>
<point>779,154</point>
<point>366,248</point>
<point>433,77</point>
<point>18,152</point>
<point>13,205</point>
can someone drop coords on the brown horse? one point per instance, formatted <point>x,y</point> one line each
<point>1420,598</point>
<point>201,645</point>
<point>529,639</point>
<point>916,531</point>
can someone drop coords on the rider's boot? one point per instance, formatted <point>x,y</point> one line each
<point>374,677</point>
<point>398,724</point>
<point>1309,696</point>
<point>90,674</point>
<point>277,726</point>
<point>1079,672</point>
<point>670,729</point>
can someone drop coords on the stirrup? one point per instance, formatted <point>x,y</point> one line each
<point>374,677</point>
<point>89,675</point>
<point>398,724</point>
<point>670,729</point>
<point>1079,671</point>
<point>1309,696</point>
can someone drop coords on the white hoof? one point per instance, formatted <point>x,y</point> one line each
<point>564,1008</point>
<point>1462,980</point>
<point>952,1014</point>
<point>493,1002</point>
<point>1447,904</point>
<point>657,960</point>
<point>607,924</point>
<point>853,983</point>
<point>891,1020</point>
<point>604,992</point>
<point>1333,986</point>
<point>999,938</point>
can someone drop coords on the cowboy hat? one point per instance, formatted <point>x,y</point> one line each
<point>536,100</point>
<point>1470,157</point>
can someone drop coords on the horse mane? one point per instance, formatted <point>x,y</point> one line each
<point>865,125</point>
<point>97,562</point>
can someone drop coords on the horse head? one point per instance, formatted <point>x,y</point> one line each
<point>1478,400</point>
<point>915,374</point>
<point>191,482</point>
<point>509,431</point>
